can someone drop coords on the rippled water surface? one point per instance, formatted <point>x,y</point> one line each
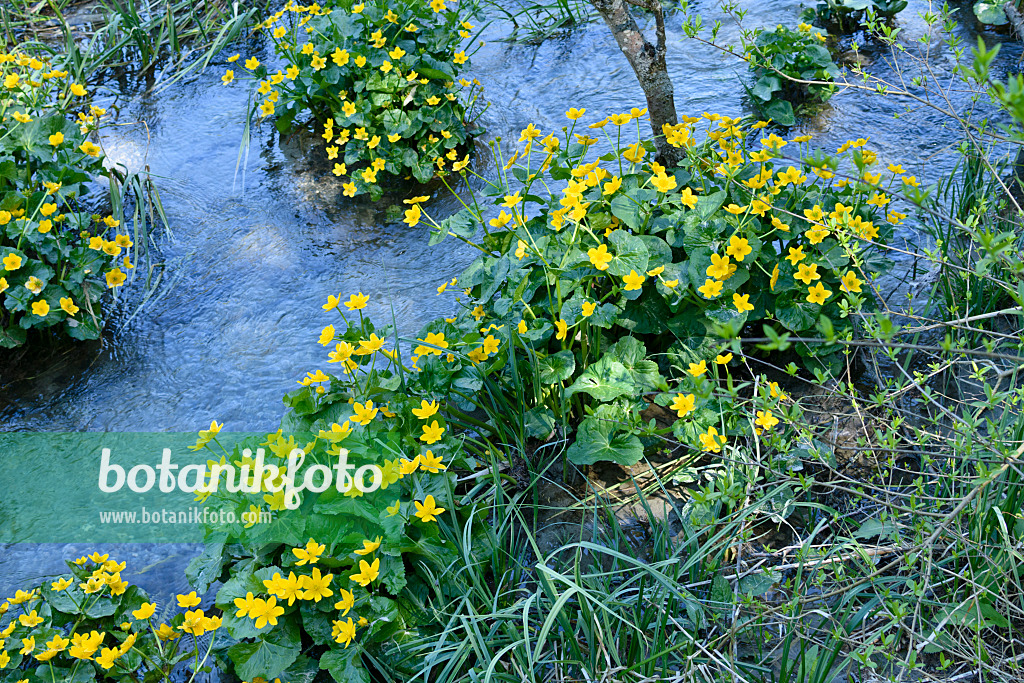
<point>235,319</point>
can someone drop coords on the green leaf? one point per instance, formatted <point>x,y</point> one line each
<point>345,666</point>
<point>991,13</point>
<point>268,656</point>
<point>557,367</point>
<point>605,380</point>
<point>707,205</point>
<point>601,440</point>
<point>780,111</point>
<point>633,355</point>
<point>797,316</point>
<point>627,210</point>
<point>630,254</point>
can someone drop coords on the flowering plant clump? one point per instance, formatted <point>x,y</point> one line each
<point>89,624</point>
<point>381,81</point>
<point>56,260</point>
<point>335,564</point>
<point>775,58</point>
<point>631,274</point>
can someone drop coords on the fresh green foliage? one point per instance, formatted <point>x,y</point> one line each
<point>386,73</point>
<point>784,63</point>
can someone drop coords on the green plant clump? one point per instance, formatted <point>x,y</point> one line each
<point>840,17</point>
<point>56,260</point>
<point>383,80</point>
<point>782,62</point>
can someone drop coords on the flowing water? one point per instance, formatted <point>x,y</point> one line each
<point>256,246</point>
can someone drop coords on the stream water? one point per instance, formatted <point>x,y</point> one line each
<point>234,321</point>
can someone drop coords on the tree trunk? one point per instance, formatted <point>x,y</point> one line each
<point>648,62</point>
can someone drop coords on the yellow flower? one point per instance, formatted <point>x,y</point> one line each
<point>432,433</point>
<point>78,90</point>
<point>367,572</point>
<point>252,63</point>
<point>796,254</point>
<point>266,612</point>
<point>165,632</point>
<point>599,257</point>
<point>850,282</point>
<point>633,281</point>
<point>612,186</point>
<point>343,631</point>
<point>34,285</point>
<point>775,277</point>
<point>368,547</point>
<point>145,611</point>
<point>817,294</point>
<point>357,302</point>
<point>684,405</point>
<point>664,182</point>
<point>426,410</point>
<point>460,58</point>
<point>711,289</point>
<point>195,623</point>
<point>310,554</point>
<point>31,619</point>
<point>12,262</point>
<point>431,463</point>
<point>56,139</point>
<point>348,600</point>
<point>41,308</point>
<point>719,268</point>
<point>427,511</point>
<point>89,148</point>
<point>364,414</point>
<point>738,248</point>
<point>765,420</point>
<point>698,369</point>
<point>316,587</point>
<point>742,302</point>
<point>723,359</point>
<point>807,273</point>
<point>711,440</point>
<point>190,600</point>
<point>588,308</point>
<point>814,215</point>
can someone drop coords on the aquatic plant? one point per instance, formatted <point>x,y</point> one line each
<point>90,624</point>
<point>379,79</point>
<point>56,258</point>
<point>789,69</point>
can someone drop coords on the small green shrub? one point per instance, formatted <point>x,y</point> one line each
<point>779,60</point>
<point>56,260</point>
<point>89,624</point>
<point>385,73</point>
